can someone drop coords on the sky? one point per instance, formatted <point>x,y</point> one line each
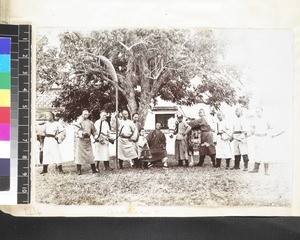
<point>268,60</point>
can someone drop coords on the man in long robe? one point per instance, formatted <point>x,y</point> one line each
<point>53,131</point>
<point>101,142</point>
<point>261,130</point>
<point>207,146</point>
<point>157,145</point>
<point>223,132</point>
<point>128,133</point>
<point>181,143</point>
<point>84,151</point>
<point>240,134</point>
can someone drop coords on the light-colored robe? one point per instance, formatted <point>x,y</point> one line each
<point>128,133</point>
<point>101,148</point>
<point>181,144</point>
<point>240,125</point>
<point>223,149</point>
<point>51,152</point>
<point>261,140</point>
<point>84,151</point>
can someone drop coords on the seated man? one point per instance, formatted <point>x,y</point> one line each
<point>157,144</point>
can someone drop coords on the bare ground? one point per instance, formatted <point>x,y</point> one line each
<point>176,186</point>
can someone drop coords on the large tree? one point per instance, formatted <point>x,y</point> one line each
<point>142,64</point>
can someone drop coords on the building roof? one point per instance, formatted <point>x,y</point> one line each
<point>46,98</point>
<point>165,108</point>
<point>44,102</point>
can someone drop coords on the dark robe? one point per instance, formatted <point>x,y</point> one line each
<point>206,136</point>
<point>157,144</point>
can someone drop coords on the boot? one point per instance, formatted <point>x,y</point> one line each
<point>237,159</point>
<point>218,162</point>
<point>106,166</point>
<point>145,165</point>
<point>227,163</point>
<point>93,167</point>
<point>45,169</point>
<point>60,170</point>
<point>186,163</point>
<point>213,160</point>
<point>256,168</point>
<point>132,163</point>
<point>136,163</point>
<point>139,163</point>
<point>266,165</point>
<point>78,169</point>
<point>246,160</point>
<point>98,166</point>
<point>41,157</point>
<point>180,163</point>
<point>120,164</point>
<point>245,166</point>
<point>201,160</point>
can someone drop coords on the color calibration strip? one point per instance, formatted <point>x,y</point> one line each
<point>20,85</point>
<point>5,69</point>
<point>24,104</point>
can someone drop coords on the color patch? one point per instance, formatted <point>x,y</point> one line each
<point>4,63</point>
<point>4,80</point>
<point>5,149</point>
<point>4,166</point>
<point>5,118</point>
<point>5,46</point>
<point>4,183</point>
<point>4,132</point>
<point>4,115</point>
<point>4,98</point>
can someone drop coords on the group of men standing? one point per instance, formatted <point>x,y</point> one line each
<point>213,140</point>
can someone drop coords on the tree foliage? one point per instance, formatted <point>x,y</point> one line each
<point>149,63</point>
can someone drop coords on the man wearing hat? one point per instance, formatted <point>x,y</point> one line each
<point>207,146</point>
<point>181,144</point>
<point>101,145</point>
<point>84,151</point>
<point>223,148</point>
<point>128,134</point>
<point>241,131</point>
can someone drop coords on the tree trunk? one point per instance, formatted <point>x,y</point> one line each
<point>144,107</point>
<point>132,104</point>
<point>143,112</point>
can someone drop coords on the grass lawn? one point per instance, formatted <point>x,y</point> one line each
<point>175,186</point>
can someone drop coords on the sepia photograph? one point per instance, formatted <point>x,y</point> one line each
<point>164,117</point>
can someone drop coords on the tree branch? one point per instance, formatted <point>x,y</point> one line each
<point>157,85</point>
<point>142,41</point>
<point>84,73</point>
